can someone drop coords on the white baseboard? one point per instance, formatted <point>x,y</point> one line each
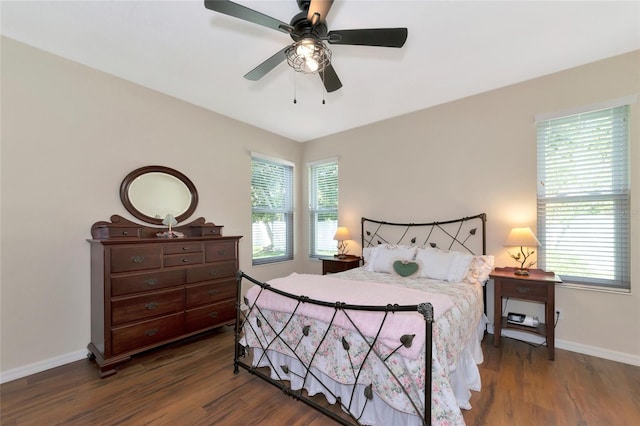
<point>37,367</point>
<point>622,357</point>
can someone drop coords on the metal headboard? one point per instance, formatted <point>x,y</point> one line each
<point>458,234</point>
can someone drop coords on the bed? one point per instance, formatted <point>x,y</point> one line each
<point>393,342</point>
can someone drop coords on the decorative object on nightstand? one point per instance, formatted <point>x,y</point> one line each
<point>537,286</point>
<point>331,265</point>
<point>341,235</point>
<point>522,237</point>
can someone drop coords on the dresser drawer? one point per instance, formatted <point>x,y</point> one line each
<point>220,250</point>
<point>135,258</point>
<point>520,288</point>
<point>148,333</point>
<point>124,232</point>
<point>210,316</point>
<point>146,306</point>
<point>204,294</point>
<point>145,282</point>
<point>212,272</point>
<point>175,248</point>
<point>183,259</point>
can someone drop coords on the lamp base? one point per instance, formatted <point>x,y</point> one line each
<point>521,272</point>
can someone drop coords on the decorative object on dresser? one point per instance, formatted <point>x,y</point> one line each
<point>522,237</point>
<point>537,286</point>
<point>147,291</point>
<point>331,265</point>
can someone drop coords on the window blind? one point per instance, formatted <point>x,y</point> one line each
<point>323,208</point>
<point>584,197</point>
<point>271,211</point>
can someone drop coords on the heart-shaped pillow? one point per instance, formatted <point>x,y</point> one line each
<point>404,268</point>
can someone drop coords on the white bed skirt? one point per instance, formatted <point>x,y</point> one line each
<point>463,379</point>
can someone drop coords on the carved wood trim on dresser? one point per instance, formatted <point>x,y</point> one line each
<point>148,291</point>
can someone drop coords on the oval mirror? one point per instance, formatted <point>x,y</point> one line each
<point>151,193</point>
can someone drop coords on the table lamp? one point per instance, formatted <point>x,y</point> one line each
<point>522,237</point>
<point>342,234</point>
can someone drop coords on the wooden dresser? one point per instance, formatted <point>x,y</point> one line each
<point>148,291</point>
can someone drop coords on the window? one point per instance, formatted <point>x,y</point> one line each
<point>323,207</point>
<point>584,197</point>
<point>271,210</point>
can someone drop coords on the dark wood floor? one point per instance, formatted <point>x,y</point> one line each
<point>192,383</point>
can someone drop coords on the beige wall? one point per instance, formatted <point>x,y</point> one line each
<point>477,155</point>
<point>70,134</point>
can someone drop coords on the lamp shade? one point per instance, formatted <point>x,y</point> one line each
<point>342,233</point>
<point>521,237</point>
<point>169,220</point>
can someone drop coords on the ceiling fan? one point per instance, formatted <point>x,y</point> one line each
<point>308,29</point>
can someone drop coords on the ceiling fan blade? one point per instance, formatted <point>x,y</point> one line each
<point>383,37</point>
<point>330,79</point>
<point>241,12</point>
<point>261,70</point>
<point>318,10</point>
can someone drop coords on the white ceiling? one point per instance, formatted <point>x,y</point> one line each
<point>454,49</point>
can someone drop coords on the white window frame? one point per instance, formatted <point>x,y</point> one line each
<point>598,256</point>
<point>321,237</point>
<point>285,210</point>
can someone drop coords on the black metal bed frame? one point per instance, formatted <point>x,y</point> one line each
<point>370,237</point>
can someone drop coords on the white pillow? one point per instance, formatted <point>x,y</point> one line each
<point>386,255</point>
<point>435,263</point>
<point>459,267</point>
<point>369,255</point>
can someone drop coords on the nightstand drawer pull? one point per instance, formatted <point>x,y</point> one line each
<point>213,314</point>
<point>222,252</point>
<point>151,306</point>
<point>213,272</point>
<point>151,281</point>
<point>125,233</point>
<point>213,292</point>
<point>151,331</point>
<point>523,290</point>
<point>185,260</point>
<point>137,259</point>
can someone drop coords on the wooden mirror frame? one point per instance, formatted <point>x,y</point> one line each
<point>131,177</point>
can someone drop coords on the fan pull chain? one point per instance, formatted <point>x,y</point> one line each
<point>323,88</point>
<point>295,100</point>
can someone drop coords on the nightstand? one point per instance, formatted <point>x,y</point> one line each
<point>538,286</point>
<point>331,265</point>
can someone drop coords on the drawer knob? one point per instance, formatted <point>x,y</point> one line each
<point>213,272</point>
<point>151,306</point>
<point>213,292</point>
<point>185,248</point>
<point>151,331</point>
<point>151,281</point>
<point>137,259</point>
<point>523,290</point>
<point>221,252</point>
<point>213,314</point>
<point>185,260</point>
<point>125,233</point>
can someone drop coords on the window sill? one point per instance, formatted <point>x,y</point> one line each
<point>575,286</point>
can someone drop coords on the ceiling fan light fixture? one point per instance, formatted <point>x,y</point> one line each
<point>308,56</point>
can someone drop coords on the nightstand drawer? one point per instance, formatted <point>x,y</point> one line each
<point>521,288</point>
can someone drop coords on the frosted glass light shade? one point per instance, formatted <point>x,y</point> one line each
<point>521,237</point>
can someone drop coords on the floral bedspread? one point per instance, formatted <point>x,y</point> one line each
<point>349,357</point>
